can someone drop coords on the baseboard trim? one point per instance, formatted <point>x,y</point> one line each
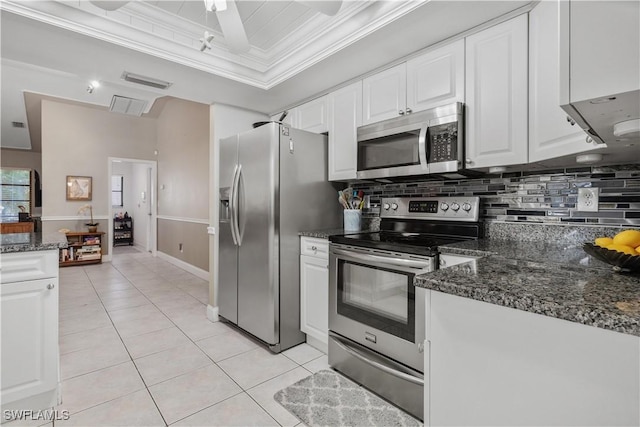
<point>212,313</point>
<point>203,274</point>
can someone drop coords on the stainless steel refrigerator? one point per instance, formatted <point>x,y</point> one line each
<point>273,184</point>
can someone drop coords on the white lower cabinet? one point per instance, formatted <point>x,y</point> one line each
<point>314,291</point>
<point>29,318</point>
<point>492,365</point>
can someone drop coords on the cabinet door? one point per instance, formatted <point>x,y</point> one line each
<point>29,338</point>
<point>498,366</point>
<point>550,134</point>
<point>496,91</point>
<point>312,116</point>
<point>604,38</point>
<point>385,94</point>
<point>314,297</point>
<point>345,115</point>
<point>436,78</point>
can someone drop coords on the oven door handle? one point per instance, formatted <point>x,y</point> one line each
<point>386,260</point>
<point>355,353</point>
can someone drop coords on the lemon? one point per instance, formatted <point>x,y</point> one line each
<point>603,242</point>
<point>628,238</point>
<point>638,250</point>
<point>622,248</point>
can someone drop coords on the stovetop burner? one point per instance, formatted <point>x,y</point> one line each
<point>414,243</point>
<point>419,226</point>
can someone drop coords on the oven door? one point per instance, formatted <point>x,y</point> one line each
<point>373,301</point>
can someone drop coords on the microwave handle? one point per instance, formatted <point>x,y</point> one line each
<point>422,146</point>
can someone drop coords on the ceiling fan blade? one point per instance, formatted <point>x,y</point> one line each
<point>327,7</point>
<point>233,29</point>
<point>109,5</point>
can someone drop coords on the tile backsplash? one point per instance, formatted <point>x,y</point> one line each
<point>541,197</point>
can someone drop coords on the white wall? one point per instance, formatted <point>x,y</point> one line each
<point>225,121</point>
<point>78,140</point>
<point>140,208</point>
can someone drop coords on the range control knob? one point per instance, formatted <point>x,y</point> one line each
<point>394,206</point>
<point>466,207</point>
<point>455,206</point>
<point>444,206</point>
<point>386,206</point>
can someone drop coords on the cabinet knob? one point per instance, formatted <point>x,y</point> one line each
<point>51,286</point>
<point>314,248</point>
<point>468,161</point>
<point>421,347</point>
<point>401,112</point>
<point>409,111</point>
<point>589,140</point>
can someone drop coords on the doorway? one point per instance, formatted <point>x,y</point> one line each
<point>132,195</point>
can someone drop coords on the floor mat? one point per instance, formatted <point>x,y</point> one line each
<point>327,398</point>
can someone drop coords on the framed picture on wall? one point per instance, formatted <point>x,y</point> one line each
<point>78,188</point>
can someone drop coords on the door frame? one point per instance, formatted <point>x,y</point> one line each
<point>152,238</point>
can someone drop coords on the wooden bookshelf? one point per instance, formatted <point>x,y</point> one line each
<point>84,248</point>
<point>123,231</point>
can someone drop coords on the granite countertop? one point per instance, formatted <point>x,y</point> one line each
<point>554,280</point>
<point>26,242</point>
<point>325,234</point>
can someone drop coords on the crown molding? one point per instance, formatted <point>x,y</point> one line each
<point>175,39</point>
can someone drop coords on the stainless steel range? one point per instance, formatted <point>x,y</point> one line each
<point>376,314</point>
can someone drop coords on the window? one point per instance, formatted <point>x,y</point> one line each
<point>16,193</point>
<point>117,182</point>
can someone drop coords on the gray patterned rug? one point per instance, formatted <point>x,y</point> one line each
<point>327,398</point>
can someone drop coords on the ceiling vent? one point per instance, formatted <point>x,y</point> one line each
<point>144,80</point>
<point>124,105</point>
<point>17,124</point>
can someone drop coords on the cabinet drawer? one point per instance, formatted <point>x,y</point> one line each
<point>21,266</point>
<point>318,248</point>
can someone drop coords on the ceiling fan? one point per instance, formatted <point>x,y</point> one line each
<point>229,19</point>
<point>233,29</point>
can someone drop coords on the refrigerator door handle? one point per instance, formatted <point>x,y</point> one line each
<point>240,225</point>
<point>233,208</point>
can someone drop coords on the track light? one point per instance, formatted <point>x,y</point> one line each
<point>94,84</point>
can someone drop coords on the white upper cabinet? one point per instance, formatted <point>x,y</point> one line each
<point>551,135</point>
<point>496,92</point>
<point>436,78</point>
<point>345,115</point>
<point>603,42</point>
<point>311,116</point>
<point>384,94</point>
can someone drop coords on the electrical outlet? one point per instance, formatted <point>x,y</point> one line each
<point>588,199</point>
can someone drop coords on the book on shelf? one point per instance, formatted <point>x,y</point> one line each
<point>88,257</point>
<point>91,240</point>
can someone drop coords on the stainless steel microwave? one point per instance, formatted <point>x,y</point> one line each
<point>426,142</point>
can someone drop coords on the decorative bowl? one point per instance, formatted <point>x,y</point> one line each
<point>619,260</point>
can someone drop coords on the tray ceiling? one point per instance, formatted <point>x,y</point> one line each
<point>54,48</point>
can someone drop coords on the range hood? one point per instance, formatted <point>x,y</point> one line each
<point>610,119</point>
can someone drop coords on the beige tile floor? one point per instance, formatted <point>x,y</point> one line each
<point>137,350</point>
